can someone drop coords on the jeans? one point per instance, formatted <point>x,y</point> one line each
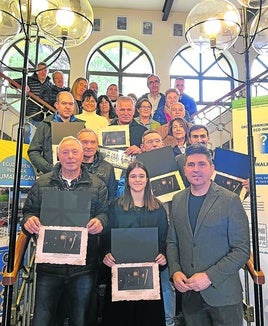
<point>29,130</point>
<point>168,297</point>
<point>197,312</point>
<point>49,289</point>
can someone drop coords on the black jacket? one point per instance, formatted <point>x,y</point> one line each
<point>105,171</point>
<point>97,194</point>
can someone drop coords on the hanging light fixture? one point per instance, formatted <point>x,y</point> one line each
<point>212,24</point>
<point>9,22</point>
<point>259,28</point>
<point>73,23</point>
<point>255,4</point>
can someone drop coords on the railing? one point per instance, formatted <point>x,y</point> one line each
<point>7,102</point>
<point>217,116</point>
<point>22,307</point>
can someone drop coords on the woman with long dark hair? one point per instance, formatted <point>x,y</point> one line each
<point>105,108</point>
<point>137,208</point>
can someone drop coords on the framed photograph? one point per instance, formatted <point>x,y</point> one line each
<point>178,30</point>
<point>231,183</point>
<point>114,136</point>
<point>137,281</point>
<point>147,28</point>
<point>62,245</point>
<point>97,25</point>
<point>165,186</point>
<point>121,23</point>
<point>116,157</point>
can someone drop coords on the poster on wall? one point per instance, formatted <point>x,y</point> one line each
<point>7,165</point>
<point>259,111</point>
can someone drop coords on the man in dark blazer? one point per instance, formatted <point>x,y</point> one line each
<point>207,244</point>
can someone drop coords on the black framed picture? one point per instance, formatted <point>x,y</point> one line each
<point>147,28</point>
<point>178,30</point>
<point>97,25</point>
<point>121,23</point>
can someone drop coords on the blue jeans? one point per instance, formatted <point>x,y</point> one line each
<point>168,297</point>
<point>49,289</point>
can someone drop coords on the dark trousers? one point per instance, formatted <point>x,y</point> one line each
<point>49,291</point>
<point>197,312</point>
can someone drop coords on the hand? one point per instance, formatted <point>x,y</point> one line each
<point>94,226</point>
<point>133,150</point>
<point>246,185</point>
<point>199,281</point>
<point>180,282</point>
<point>109,260</point>
<point>161,260</point>
<point>32,225</point>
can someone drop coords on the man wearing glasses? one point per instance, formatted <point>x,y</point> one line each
<point>156,98</point>
<point>40,150</point>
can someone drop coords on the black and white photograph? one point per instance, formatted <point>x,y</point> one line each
<point>135,278</point>
<point>97,25</point>
<point>121,23</point>
<point>164,187</point>
<point>61,245</point>
<point>114,136</point>
<point>135,281</point>
<point>147,28</point>
<point>231,183</point>
<point>178,30</point>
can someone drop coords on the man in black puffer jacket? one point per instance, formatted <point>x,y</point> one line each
<point>74,281</point>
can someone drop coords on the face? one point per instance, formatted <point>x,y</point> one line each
<point>112,92</point>
<point>81,87</point>
<point>89,104</point>
<point>178,131</point>
<point>199,136</point>
<point>42,72</point>
<point>58,79</point>
<point>153,84</point>
<point>177,110</point>
<point>125,111</point>
<point>171,98</point>
<point>137,180</point>
<point>145,110</point>
<point>89,142</point>
<point>70,156</point>
<point>104,106</point>
<point>198,170</point>
<point>65,105</point>
<point>151,141</point>
<point>179,84</point>
<point>94,87</point>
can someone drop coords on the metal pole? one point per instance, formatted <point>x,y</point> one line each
<point>253,202</point>
<point>8,292</point>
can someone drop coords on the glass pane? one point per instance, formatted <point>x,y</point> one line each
<point>212,89</point>
<point>219,69</point>
<point>187,63</point>
<point>136,85</point>
<point>103,82</point>
<point>100,63</point>
<point>140,66</point>
<point>112,51</point>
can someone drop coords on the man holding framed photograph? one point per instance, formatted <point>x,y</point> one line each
<point>73,281</point>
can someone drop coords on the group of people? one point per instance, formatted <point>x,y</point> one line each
<point>203,236</point>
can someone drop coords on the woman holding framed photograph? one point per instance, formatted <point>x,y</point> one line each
<point>136,208</point>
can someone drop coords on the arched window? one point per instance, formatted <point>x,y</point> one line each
<point>259,65</point>
<point>205,77</point>
<point>12,57</point>
<point>120,62</point>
